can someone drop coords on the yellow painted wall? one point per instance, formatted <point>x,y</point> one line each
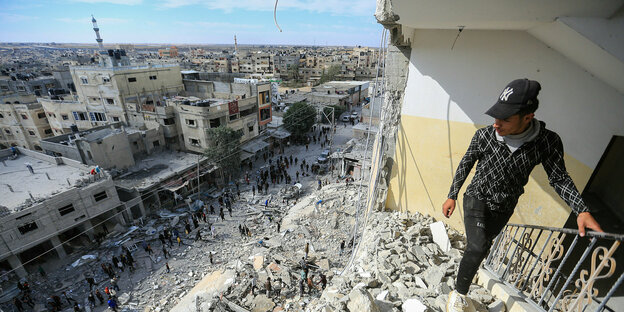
<point>426,156</point>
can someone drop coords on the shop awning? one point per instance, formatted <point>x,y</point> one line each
<point>254,146</point>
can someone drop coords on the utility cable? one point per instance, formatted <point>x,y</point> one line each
<point>275,16</point>
<point>356,226</point>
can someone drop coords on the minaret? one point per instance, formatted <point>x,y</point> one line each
<point>97,32</point>
<point>235,46</point>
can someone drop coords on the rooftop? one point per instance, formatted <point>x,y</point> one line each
<point>155,168</point>
<point>195,101</point>
<point>21,189</point>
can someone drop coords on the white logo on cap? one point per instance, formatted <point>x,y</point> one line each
<point>506,93</point>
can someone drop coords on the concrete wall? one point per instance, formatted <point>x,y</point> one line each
<point>448,92</point>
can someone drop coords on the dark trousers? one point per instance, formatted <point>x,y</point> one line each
<point>482,226</point>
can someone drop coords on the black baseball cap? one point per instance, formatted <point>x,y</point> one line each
<point>517,95</point>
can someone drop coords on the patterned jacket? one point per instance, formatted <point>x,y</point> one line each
<point>501,175</point>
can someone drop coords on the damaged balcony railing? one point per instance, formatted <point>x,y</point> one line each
<point>553,269</point>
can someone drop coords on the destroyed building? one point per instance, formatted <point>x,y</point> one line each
<point>48,207</point>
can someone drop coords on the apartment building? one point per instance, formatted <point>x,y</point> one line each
<point>39,86</point>
<point>113,91</point>
<point>23,122</point>
<point>168,52</point>
<point>53,204</point>
<point>110,147</point>
<point>343,93</point>
<point>196,115</point>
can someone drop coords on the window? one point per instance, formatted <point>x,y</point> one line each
<point>1,116</point>
<point>47,131</point>
<point>97,116</point>
<point>100,196</point>
<point>169,121</point>
<point>64,116</point>
<point>110,101</point>
<point>31,132</point>
<point>265,114</point>
<point>233,117</point>
<point>21,88</point>
<point>214,123</point>
<point>66,209</point>
<point>84,80</point>
<point>132,79</point>
<point>105,79</point>
<point>115,118</point>
<point>194,142</point>
<point>80,116</point>
<point>7,131</point>
<point>37,88</point>
<point>27,227</point>
<point>156,143</point>
<point>251,129</point>
<point>24,116</point>
<point>4,88</point>
<point>191,122</point>
<point>152,77</point>
<point>41,115</point>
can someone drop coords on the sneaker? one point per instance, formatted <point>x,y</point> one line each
<point>457,302</point>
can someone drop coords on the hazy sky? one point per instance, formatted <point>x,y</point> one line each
<point>320,22</point>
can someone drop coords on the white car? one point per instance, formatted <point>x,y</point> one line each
<point>354,115</point>
<point>346,118</point>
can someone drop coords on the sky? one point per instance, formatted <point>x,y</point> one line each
<point>303,22</point>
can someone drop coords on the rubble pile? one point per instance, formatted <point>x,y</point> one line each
<point>322,219</point>
<point>399,267</point>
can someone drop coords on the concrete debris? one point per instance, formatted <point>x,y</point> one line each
<point>439,236</point>
<point>361,301</point>
<point>413,305</point>
<point>497,306</point>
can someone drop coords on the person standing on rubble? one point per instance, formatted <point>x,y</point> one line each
<point>91,299</point>
<point>98,294</point>
<point>165,252</point>
<point>307,249</point>
<point>222,215</point>
<point>267,286</point>
<point>253,285</point>
<point>506,152</point>
<point>179,241</point>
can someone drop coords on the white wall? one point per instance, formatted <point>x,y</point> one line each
<point>461,84</point>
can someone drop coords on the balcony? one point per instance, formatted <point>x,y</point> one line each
<point>536,268</point>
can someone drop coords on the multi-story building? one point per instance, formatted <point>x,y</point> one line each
<point>111,147</point>
<point>55,203</point>
<point>113,91</point>
<point>39,86</point>
<point>168,52</point>
<point>23,122</point>
<point>343,93</point>
<point>196,115</point>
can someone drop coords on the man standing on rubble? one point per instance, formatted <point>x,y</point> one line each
<point>507,152</point>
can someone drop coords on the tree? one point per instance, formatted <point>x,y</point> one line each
<point>330,74</point>
<point>293,72</point>
<point>338,110</point>
<point>224,150</point>
<point>299,119</point>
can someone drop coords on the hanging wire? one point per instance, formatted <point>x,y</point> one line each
<point>356,227</point>
<point>275,16</point>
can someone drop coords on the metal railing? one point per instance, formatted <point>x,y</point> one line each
<point>553,269</point>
